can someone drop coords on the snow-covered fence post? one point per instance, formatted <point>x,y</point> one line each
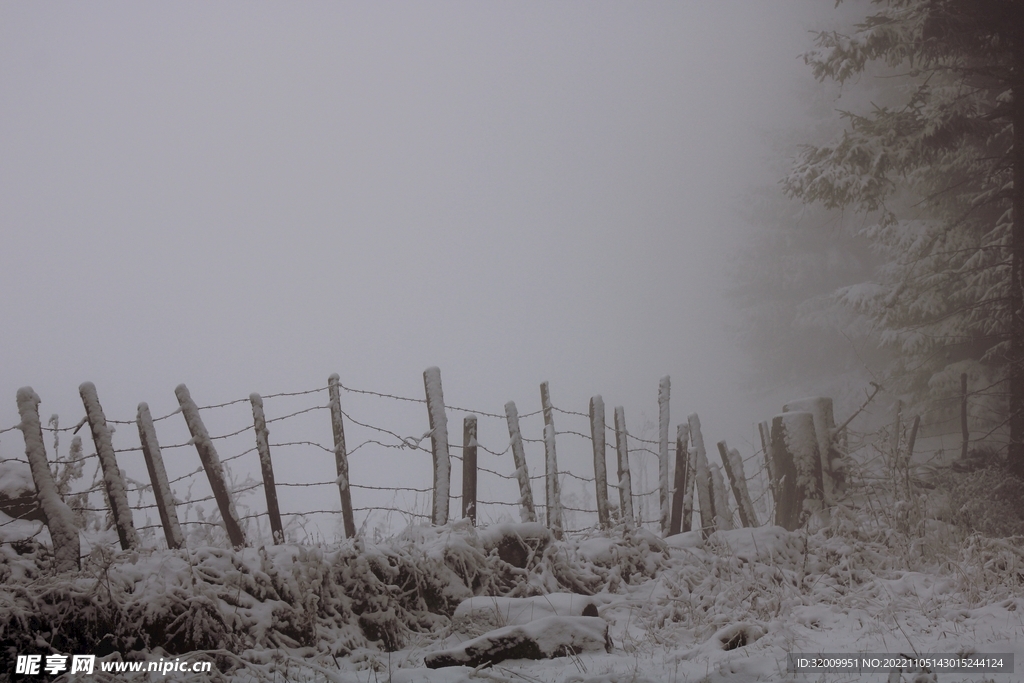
<point>911,441</point>
<point>469,447</point>
<point>597,437</point>
<point>723,513</point>
<point>59,518</point>
<point>733,464</point>
<point>824,429</point>
<point>682,478</point>
<point>212,465</point>
<point>664,389</point>
<point>765,431</point>
<point>691,481</point>
<point>625,480</point>
<point>112,480</point>
<point>798,468</point>
<point>526,510</point>
<point>341,455</point>
<point>438,443</point>
<point>897,428</point>
<point>702,477</point>
<point>963,416</point>
<point>158,477</point>
<point>551,492</point>
<point>266,466</point>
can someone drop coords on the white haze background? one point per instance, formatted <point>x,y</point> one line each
<point>251,196</point>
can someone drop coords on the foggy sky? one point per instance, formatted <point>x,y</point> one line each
<point>251,196</point>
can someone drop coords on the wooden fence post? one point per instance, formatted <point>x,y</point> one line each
<point>438,443</point>
<point>259,421</point>
<point>112,480</point>
<point>526,510</point>
<point>824,428</point>
<point>469,447</point>
<point>552,498</point>
<point>625,480</point>
<point>664,389</point>
<point>158,477</point>
<point>691,481</point>
<point>597,437</point>
<point>798,468</point>
<point>733,464</point>
<point>897,428</point>
<point>679,490</point>
<point>59,518</point>
<point>341,455</point>
<point>963,416</point>
<point>212,465</point>
<point>723,513</point>
<point>765,431</point>
<point>703,478</point>
<point>911,441</point>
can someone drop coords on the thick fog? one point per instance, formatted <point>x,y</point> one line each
<point>251,196</point>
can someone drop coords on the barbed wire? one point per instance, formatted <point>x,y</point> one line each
<point>298,412</point>
<point>935,418</point>
<point>285,444</point>
<point>410,442</point>
<point>225,404</point>
<point>296,393</point>
<point>381,395</point>
<point>234,433</point>
<point>569,412</point>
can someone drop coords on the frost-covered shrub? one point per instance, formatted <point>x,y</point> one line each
<point>630,556</point>
<point>351,598</point>
<point>988,501</point>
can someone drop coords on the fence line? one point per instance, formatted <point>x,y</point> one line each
<point>763,498</point>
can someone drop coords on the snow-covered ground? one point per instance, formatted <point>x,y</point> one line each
<point>728,608</point>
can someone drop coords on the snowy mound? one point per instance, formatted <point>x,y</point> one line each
<point>541,639</point>
<point>478,615</point>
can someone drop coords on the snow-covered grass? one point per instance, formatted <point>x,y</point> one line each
<point>895,567</point>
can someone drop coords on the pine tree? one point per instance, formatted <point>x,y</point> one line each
<point>800,342</point>
<point>941,171</point>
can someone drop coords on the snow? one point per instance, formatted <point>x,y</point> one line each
<point>547,637</point>
<point>483,613</point>
<point>439,442</point>
<point>724,609</point>
<point>15,478</point>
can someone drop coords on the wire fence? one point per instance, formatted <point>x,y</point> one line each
<point>389,461</point>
